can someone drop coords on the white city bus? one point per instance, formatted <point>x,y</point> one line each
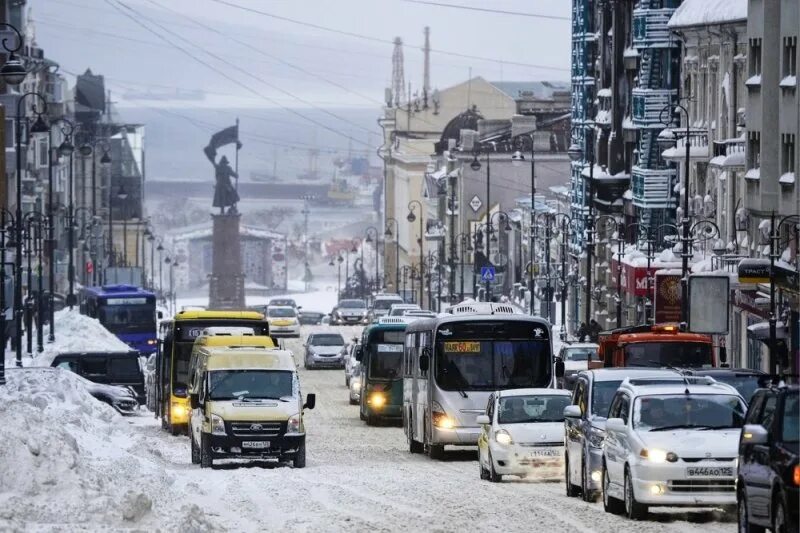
<point>453,363</point>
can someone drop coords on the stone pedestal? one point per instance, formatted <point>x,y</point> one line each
<point>226,286</point>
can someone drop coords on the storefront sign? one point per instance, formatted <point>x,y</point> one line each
<point>634,279</point>
<point>667,303</point>
<point>758,271</point>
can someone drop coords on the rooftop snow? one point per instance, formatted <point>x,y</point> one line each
<point>707,12</point>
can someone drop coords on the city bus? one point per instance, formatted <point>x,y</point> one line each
<point>381,356</point>
<point>127,311</point>
<point>175,350</point>
<point>453,363</point>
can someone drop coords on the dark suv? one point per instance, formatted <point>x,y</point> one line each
<point>107,368</point>
<point>768,473</point>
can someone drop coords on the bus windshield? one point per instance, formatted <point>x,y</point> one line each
<point>494,355</point>
<point>677,354</point>
<point>386,361</point>
<point>128,318</point>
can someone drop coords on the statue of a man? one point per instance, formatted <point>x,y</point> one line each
<point>225,194</point>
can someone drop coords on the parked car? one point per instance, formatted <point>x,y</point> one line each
<point>351,311</point>
<point>122,399</point>
<point>283,321</point>
<point>107,368</point>
<point>355,384</point>
<point>768,474</point>
<point>576,358</point>
<point>522,434</point>
<point>350,361</point>
<point>671,444</point>
<point>282,302</point>
<point>585,424</point>
<point>744,380</point>
<point>311,318</point>
<point>400,308</point>
<point>381,305</point>
<point>325,350</point>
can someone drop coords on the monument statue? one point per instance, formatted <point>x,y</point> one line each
<point>225,194</point>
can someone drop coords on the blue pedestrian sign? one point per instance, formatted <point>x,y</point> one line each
<point>487,273</point>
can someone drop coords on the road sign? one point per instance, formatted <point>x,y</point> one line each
<point>475,203</point>
<point>487,273</point>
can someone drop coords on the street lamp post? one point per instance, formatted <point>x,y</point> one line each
<point>387,234</point>
<point>774,254</point>
<point>411,217</point>
<point>368,232</point>
<point>517,160</point>
<point>39,126</point>
<point>160,250</point>
<point>4,228</point>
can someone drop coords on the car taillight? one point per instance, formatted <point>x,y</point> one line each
<point>797,475</point>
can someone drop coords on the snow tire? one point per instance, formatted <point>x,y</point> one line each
<point>572,490</point>
<point>206,456</point>
<point>633,509</point>
<point>588,495</point>
<point>610,504</point>
<point>743,518</point>
<point>299,460</point>
<point>494,477</point>
<point>195,451</point>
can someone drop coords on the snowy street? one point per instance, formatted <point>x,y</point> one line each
<point>363,478</point>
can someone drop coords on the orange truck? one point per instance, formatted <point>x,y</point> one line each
<point>656,345</point>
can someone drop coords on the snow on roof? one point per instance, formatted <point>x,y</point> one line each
<point>753,174</point>
<point>789,82</point>
<point>787,179</point>
<point>707,12</point>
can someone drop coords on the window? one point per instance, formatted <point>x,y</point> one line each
<point>490,407</point>
<point>579,396</point>
<point>789,56</point>
<point>624,408</point>
<point>753,149</point>
<point>42,158</point>
<point>754,57</point>
<point>10,140</point>
<point>787,153</point>
<point>754,411</point>
<point>768,416</point>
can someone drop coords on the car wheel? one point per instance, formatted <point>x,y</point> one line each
<point>414,446</point>
<point>346,380</point>
<point>175,429</point>
<point>484,473</point>
<point>299,460</point>
<point>372,420</point>
<point>361,415</point>
<point>779,523</point>
<point>494,477</point>
<point>572,490</point>
<point>195,451</point>
<point>587,494</point>
<point>206,456</point>
<point>743,519</point>
<point>610,504</point>
<point>633,509</point>
<point>353,401</point>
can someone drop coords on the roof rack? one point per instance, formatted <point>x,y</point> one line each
<point>670,380</point>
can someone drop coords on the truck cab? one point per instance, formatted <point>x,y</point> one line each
<point>656,345</point>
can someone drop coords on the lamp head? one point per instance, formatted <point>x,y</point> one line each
<point>14,71</point>
<point>517,159</point>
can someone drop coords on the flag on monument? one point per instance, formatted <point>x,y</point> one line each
<point>221,138</point>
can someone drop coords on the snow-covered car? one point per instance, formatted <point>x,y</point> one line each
<point>576,358</point>
<point>106,368</point>
<point>399,309</point>
<point>355,384</point>
<point>671,444</point>
<point>585,423</point>
<point>522,433</point>
<point>325,350</point>
<point>122,399</point>
<point>352,311</point>
<point>283,321</point>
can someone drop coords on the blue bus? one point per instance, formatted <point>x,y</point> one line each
<point>126,311</point>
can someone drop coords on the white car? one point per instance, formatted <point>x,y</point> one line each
<point>283,321</point>
<point>576,359</point>
<point>671,444</point>
<point>355,384</point>
<point>399,309</point>
<point>522,433</point>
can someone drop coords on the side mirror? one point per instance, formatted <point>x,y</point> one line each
<point>194,401</point>
<point>754,434</point>
<point>572,411</point>
<point>359,353</point>
<point>482,420</point>
<point>160,315</point>
<point>615,424</point>
<point>559,367</point>
<point>311,401</point>
<point>424,360</point>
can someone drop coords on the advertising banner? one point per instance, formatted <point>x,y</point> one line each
<point>709,300</point>
<point>667,302</point>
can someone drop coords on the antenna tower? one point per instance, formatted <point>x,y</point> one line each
<point>398,76</point>
<point>426,83</point>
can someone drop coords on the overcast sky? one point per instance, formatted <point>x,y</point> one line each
<point>280,63</point>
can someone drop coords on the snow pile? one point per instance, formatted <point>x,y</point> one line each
<point>69,460</point>
<point>74,333</point>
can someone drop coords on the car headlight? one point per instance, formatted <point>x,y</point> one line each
<point>152,342</point>
<point>217,425</point>
<point>655,455</point>
<point>503,437</point>
<point>293,424</point>
<point>377,400</point>
<point>440,418</point>
<point>596,437</point>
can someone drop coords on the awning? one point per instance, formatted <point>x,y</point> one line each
<point>760,331</point>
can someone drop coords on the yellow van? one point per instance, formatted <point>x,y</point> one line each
<point>247,404</point>
<point>223,338</point>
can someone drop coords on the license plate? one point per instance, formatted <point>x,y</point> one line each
<point>546,453</point>
<point>255,444</point>
<point>710,471</point>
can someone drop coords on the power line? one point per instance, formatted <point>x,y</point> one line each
<point>379,40</point>
<point>487,10</point>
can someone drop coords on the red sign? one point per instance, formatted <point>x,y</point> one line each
<point>668,298</point>
<point>634,279</point>
<point>89,267</point>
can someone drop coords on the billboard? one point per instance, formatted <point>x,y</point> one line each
<point>667,303</point>
<point>709,301</point>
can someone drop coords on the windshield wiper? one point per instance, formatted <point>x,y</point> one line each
<point>706,428</point>
<point>683,426</point>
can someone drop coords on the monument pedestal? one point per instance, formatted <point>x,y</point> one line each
<point>226,286</point>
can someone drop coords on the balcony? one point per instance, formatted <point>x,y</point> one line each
<point>648,104</point>
<point>652,189</point>
<point>650,28</point>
